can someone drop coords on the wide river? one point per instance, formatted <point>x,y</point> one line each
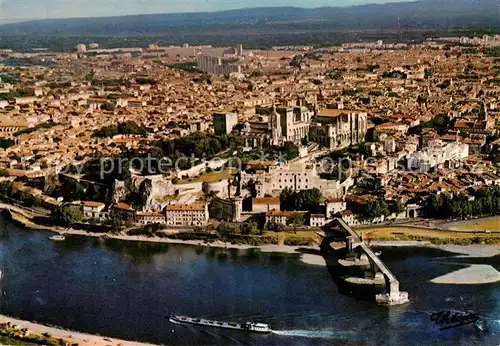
<point>127,290</point>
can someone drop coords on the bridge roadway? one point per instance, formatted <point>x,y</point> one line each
<point>392,282</point>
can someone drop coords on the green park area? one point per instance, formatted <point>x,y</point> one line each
<point>437,236</point>
<point>490,224</point>
<point>210,177</point>
<point>299,238</point>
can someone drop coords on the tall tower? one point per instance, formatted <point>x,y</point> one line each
<point>484,116</point>
<point>287,120</point>
<point>275,124</point>
<point>237,204</point>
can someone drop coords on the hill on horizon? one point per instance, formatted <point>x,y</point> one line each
<point>423,14</point>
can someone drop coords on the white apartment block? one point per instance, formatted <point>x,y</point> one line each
<point>436,154</point>
<point>317,220</point>
<point>187,215</point>
<point>147,218</point>
<point>334,206</point>
<point>93,210</point>
<point>278,217</point>
<point>297,177</point>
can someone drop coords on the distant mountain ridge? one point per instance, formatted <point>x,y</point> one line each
<point>423,14</point>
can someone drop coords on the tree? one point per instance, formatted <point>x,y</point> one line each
<point>290,150</point>
<point>298,219</point>
<point>394,74</point>
<point>445,84</point>
<point>308,200</point>
<point>94,221</point>
<point>304,141</point>
<point>230,228</point>
<point>66,215</point>
<point>107,107</point>
<point>374,208</point>
<point>287,199</point>
<point>398,207</point>
<point>6,189</point>
<point>125,128</point>
<point>50,184</point>
<point>23,196</point>
<point>116,225</point>
<point>6,143</point>
<point>305,200</point>
<point>250,186</point>
<point>172,124</point>
<point>131,128</point>
<point>335,74</point>
<point>375,93</point>
<point>224,141</point>
<point>249,227</point>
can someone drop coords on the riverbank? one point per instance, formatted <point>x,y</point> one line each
<point>475,274</point>
<point>306,258</point>
<point>25,222</point>
<point>437,236</point>
<point>385,236</point>
<point>491,224</point>
<point>69,337</point>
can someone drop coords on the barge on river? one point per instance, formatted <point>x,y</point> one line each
<point>248,326</point>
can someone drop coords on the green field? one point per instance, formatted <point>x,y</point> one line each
<point>209,177</point>
<point>444,236</point>
<point>491,224</point>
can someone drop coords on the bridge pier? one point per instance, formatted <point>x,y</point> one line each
<point>379,271</point>
<point>348,244</point>
<point>393,297</point>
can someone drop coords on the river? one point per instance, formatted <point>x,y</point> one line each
<point>127,290</point>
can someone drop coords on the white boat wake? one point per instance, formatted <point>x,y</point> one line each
<point>312,334</point>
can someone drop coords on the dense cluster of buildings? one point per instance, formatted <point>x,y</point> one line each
<point>215,65</point>
<point>392,110</point>
<point>195,214</point>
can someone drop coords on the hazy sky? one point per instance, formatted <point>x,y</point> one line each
<point>21,10</point>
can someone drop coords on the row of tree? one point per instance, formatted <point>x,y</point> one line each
<point>125,128</point>
<point>245,228</point>
<point>198,144</point>
<point>65,215</point>
<point>305,200</point>
<point>485,202</point>
<point>8,193</point>
<point>378,207</point>
<point>6,143</point>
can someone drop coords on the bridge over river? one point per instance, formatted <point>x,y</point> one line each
<point>393,296</point>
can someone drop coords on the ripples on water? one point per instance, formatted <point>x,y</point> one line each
<point>128,290</point>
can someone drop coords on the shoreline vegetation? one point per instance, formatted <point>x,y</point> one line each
<point>446,237</point>
<point>484,231</point>
<point>381,236</point>
<point>15,331</point>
